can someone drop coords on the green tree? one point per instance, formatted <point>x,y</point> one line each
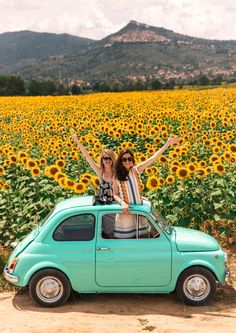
<point>156,85</point>
<point>3,83</point>
<point>75,90</point>
<point>62,90</point>
<point>34,88</point>
<point>15,86</point>
<point>203,81</point>
<point>48,87</point>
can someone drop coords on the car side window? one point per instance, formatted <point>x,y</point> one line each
<point>76,228</point>
<point>127,226</point>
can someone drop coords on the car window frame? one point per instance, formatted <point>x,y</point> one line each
<point>133,212</point>
<point>79,240</point>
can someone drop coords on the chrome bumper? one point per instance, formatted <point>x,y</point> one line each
<point>227,272</point>
<point>9,277</point>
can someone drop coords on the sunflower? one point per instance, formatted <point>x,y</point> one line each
<point>61,163</point>
<point>79,188</point>
<point>64,153</point>
<point>21,154</point>
<point>163,159</point>
<point>70,184</point>
<point>13,159</point>
<point>95,181</point>
<point>232,148</point>
<point>213,158</point>
<point>216,150</point>
<point>157,141</point>
<point>226,156</point>
<point>62,182</point>
<point>182,172</point>
<point>219,168</point>
<point>86,175</point>
<point>6,163</point>
<point>161,181</point>
<point>193,159</point>
<point>191,167</point>
<point>2,171</point>
<point>59,175</point>
<point>202,164</point>
<point>35,172</point>
<point>42,161</point>
<point>201,172</point>
<point>51,170</point>
<point>212,124</point>
<point>173,168</point>
<point>31,164</point>
<point>208,170</point>
<point>170,179</point>
<point>153,183</point>
<point>148,171</point>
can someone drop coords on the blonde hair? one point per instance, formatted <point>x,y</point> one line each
<point>113,158</point>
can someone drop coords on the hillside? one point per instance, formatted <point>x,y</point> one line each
<point>137,50</point>
<point>23,48</point>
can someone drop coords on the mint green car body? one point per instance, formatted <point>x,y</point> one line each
<point>99,265</point>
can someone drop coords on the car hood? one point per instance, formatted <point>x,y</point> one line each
<point>190,240</point>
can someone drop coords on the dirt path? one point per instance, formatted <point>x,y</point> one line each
<point>115,313</point>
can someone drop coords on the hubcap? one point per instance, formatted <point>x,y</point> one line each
<point>49,289</point>
<point>196,287</point>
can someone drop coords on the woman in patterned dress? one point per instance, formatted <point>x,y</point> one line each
<point>104,171</point>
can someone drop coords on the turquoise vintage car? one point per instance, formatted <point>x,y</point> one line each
<point>74,249</point>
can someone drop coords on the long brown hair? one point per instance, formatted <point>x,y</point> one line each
<point>120,171</point>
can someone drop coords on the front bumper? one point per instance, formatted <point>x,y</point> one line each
<point>9,277</point>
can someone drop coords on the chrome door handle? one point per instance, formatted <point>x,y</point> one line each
<point>103,248</point>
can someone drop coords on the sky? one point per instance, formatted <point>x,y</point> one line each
<point>96,19</point>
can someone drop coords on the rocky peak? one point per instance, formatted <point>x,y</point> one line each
<point>135,32</point>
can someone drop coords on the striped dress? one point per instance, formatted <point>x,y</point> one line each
<point>130,192</point>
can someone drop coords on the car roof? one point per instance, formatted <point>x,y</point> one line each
<point>78,201</point>
<point>89,201</point>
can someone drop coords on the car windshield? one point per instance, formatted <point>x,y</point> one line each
<point>164,224</point>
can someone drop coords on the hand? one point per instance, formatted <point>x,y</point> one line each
<point>125,207</point>
<point>173,139</point>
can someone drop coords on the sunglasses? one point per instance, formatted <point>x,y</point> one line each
<point>125,159</point>
<point>107,158</point>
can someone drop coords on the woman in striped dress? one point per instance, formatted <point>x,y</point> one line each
<point>127,188</point>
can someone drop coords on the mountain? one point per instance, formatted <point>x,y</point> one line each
<point>22,48</point>
<point>136,51</point>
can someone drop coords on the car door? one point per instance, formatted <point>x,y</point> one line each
<point>139,262</point>
<point>72,248</point>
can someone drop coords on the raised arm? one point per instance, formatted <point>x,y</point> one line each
<point>171,141</point>
<point>85,153</point>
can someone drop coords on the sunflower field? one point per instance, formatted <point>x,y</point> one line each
<point>191,183</point>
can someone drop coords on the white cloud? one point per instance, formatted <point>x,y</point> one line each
<point>96,19</point>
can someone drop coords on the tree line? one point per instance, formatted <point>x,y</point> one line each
<point>14,85</point>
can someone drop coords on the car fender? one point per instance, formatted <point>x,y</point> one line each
<point>196,262</point>
<point>42,265</point>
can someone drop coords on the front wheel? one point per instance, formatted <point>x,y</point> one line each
<point>49,288</point>
<point>196,286</point>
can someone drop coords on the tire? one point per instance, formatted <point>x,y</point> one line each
<point>196,286</point>
<point>49,288</point>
